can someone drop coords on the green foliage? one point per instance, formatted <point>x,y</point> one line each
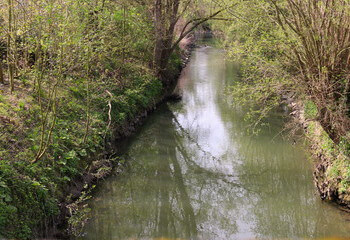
<point>344,145</point>
<point>70,54</point>
<point>310,109</point>
<point>29,194</point>
<point>338,171</point>
<point>285,51</point>
<point>253,40</point>
<point>79,214</point>
<point>23,204</point>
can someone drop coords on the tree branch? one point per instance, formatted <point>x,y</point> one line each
<point>198,21</point>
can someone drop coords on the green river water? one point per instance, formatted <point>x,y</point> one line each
<point>193,173</point>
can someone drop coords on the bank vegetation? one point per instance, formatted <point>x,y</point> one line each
<point>298,50</point>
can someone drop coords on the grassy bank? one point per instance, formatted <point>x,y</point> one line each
<point>332,165</point>
<point>31,192</point>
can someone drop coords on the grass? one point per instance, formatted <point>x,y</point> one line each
<point>30,193</point>
<point>337,174</point>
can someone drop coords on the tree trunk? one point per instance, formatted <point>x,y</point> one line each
<point>9,48</point>
<point>158,35</point>
<point>165,19</point>
<point>2,80</point>
<point>11,77</point>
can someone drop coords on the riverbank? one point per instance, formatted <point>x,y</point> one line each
<point>37,197</point>
<point>75,212</point>
<point>331,162</point>
<point>331,169</point>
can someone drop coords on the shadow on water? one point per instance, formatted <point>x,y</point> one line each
<point>150,198</point>
<point>194,173</point>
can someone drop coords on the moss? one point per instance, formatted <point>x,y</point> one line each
<point>311,128</point>
<point>326,143</point>
<point>310,109</point>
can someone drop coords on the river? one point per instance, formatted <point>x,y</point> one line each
<point>193,172</point>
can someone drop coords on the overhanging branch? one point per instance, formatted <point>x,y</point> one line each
<point>197,22</point>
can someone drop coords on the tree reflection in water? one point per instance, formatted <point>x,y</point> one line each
<point>194,174</point>
<point>163,193</point>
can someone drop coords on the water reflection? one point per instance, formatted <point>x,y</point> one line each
<point>195,174</point>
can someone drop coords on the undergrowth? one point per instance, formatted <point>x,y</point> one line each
<point>30,192</point>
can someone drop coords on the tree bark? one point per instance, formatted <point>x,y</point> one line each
<point>2,80</point>
<point>9,47</point>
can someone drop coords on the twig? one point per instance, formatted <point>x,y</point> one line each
<point>109,112</point>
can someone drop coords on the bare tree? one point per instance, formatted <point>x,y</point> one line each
<point>322,53</point>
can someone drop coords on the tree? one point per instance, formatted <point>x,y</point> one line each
<point>166,15</point>
<point>2,81</point>
<point>299,46</point>
<point>10,51</point>
<point>321,51</point>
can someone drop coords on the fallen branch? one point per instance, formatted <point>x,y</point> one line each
<point>109,112</point>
